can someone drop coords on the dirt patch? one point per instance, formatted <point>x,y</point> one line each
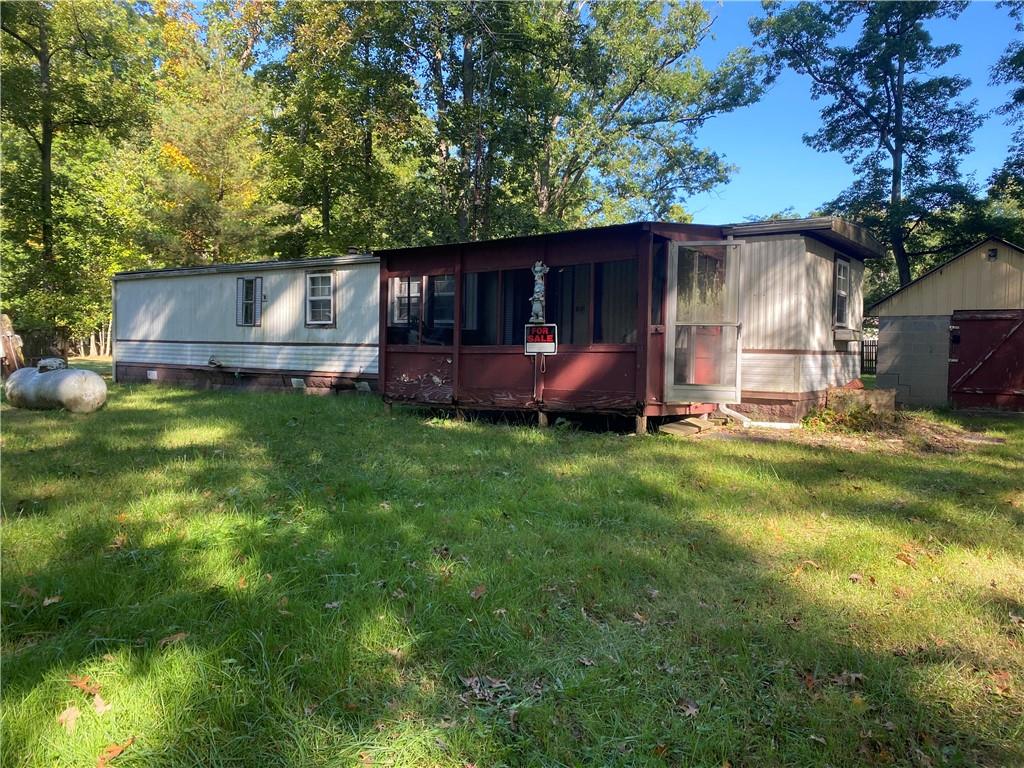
<point>904,433</point>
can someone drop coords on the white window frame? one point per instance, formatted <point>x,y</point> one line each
<point>842,263</point>
<point>310,298</point>
<point>246,282</point>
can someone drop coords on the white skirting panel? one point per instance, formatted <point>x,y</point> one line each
<point>328,359</point>
<point>793,372</point>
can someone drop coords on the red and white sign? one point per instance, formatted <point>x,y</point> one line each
<point>542,339</point>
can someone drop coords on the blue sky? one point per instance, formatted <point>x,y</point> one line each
<point>777,170</point>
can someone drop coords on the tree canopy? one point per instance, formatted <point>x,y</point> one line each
<point>182,132</point>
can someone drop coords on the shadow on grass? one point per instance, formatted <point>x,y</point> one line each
<point>325,562</point>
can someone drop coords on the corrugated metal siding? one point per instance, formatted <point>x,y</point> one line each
<point>270,357</point>
<point>772,279</point>
<point>770,373</point>
<point>201,309</point>
<point>968,282</point>
<point>819,372</point>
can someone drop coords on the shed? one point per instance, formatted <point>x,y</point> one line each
<point>653,319</point>
<point>309,324</point>
<point>915,344</point>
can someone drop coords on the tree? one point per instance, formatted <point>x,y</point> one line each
<point>1008,180</point>
<point>70,68</point>
<point>214,201</point>
<point>902,127</point>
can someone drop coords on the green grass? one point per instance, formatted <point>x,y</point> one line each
<point>320,555</point>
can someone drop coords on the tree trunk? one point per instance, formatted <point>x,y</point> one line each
<point>92,344</point>
<point>896,233</point>
<point>46,145</point>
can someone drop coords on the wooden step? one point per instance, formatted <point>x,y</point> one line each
<point>679,428</point>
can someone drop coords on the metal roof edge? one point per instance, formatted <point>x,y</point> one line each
<point>857,237</point>
<point>247,266</point>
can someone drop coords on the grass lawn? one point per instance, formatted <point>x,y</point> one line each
<point>278,580</point>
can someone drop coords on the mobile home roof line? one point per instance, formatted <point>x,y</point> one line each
<point>249,266</point>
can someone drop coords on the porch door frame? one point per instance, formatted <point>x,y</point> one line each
<point>702,393</point>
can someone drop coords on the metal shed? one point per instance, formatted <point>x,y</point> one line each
<point>922,348</point>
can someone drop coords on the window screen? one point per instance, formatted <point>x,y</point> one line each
<point>516,290</point>
<point>439,317</point>
<point>567,293</point>
<point>480,308</point>
<point>404,310</point>
<point>615,298</point>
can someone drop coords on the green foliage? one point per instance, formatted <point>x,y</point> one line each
<point>891,112</point>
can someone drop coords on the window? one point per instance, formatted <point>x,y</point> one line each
<point>248,301</point>
<point>480,308</point>
<point>701,286</point>
<point>320,298</point>
<point>516,290</point>
<point>615,301</point>
<point>439,317</point>
<point>404,310</point>
<point>567,294</point>
<point>841,301</point>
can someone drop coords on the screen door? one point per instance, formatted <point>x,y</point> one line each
<point>702,323</point>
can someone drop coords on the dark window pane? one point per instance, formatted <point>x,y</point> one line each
<point>659,276</point>
<point>480,308</point>
<point>616,301</point>
<point>516,290</point>
<point>439,318</point>
<point>567,293</point>
<point>404,310</point>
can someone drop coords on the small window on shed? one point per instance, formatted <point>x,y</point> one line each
<point>248,301</point>
<point>320,298</point>
<point>841,302</point>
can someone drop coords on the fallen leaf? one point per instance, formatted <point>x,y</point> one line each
<point>809,680</point>
<point>901,592</point>
<point>177,637</point>
<point>85,684</point>
<point>397,654</point>
<point>847,679</point>
<point>398,594</point>
<point>1002,682</point>
<point>111,751</point>
<point>333,606</point>
<point>793,623</point>
<point>365,758</point>
<point>818,739</point>
<point>309,709</point>
<point>52,599</point>
<point>119,542</point>
<point>687,707</point>
<point>856,578</point>
<point>909,559</point>
<point>478,591</point>
<point>101,706</point>
<point>69,717</point>
<point>639,618</point>
<point>660,750</point>
<point>122,517</point>
<point>1017,620</point>
<point>586,661</point>
<point>27,591</point>
<point>242,582</point>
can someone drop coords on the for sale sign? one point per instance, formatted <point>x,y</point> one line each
<point>542,339</point>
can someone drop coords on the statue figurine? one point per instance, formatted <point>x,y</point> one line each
<point>537,300</point>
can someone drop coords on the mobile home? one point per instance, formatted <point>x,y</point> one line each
<point>308,324</point>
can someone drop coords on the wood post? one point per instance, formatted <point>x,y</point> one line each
<point>641,425</point>
<point>542,419</point>
<point>387,407</point>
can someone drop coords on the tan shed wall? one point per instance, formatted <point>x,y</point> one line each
<point>968,282</point>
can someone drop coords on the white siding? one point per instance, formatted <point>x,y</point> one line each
<point>772,275</point>
<point>156,314</point>
<point>786,290</point>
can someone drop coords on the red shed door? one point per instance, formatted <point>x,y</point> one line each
<point>986,360</point>
<point>702,353</point>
